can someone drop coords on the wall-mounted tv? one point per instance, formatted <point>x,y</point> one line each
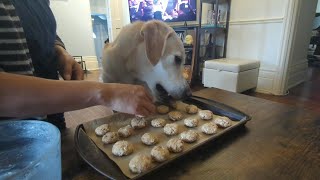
<point>165,10</point>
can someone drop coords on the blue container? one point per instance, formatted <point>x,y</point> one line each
<point>29,150</point>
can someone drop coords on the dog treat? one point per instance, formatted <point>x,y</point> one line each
<point>162,109</point>
<point>189,136</point>
<point>171,129</point>
<point>160,153</point>
<point>102,130</point>
<point>158,122</point>
<point>125,131</point>
<point>122,148</point>
<point>149,139</point>
<point>191,109</point>
<point>222,121</point>
<point>138,122</point>
<point>175,115</point>
<point>209,128</point>
<point>191,122</point>
<point>110,137</point>
<point>175,145</point>
<point>140,163</point>
<point>205,114</point>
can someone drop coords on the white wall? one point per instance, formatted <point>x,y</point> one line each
<point>74,26</point>
<point>298,63</point>
<point>256,32</point>
<point>98,6</point>
<point>277,33</point>
<point>318,7</point>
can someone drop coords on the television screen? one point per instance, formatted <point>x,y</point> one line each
<point>165,10</point>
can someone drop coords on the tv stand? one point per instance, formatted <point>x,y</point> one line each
<point>185,24</point>
<point>209,37</point>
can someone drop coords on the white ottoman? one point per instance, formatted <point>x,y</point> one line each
<point>235,75</point>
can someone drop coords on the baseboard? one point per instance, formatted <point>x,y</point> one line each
<point>91,62</point>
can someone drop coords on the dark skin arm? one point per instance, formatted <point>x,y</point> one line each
<point>25,96</point>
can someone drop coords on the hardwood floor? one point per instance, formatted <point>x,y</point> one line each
<point>305,95</point>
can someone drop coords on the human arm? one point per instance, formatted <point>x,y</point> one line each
<point>68,68</point>
<point>25,96</point>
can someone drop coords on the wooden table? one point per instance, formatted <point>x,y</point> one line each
<point>280,142</point>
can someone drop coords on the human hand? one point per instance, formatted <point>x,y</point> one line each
<point>69,69</point>
<point>131,99</point>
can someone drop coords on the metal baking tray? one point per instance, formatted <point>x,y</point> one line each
<point>97,159</point>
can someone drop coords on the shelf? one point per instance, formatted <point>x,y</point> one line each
<point>188,46</point>
<point>208,46</point>
<point>214,1</point>
<point>189,27</point>
<point>212,29</point>
<point>207,26</point>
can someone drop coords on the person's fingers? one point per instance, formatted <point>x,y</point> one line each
<point>148,94</point>
<point>67,71</point>
<point>149,105</point>
<point>77,72</point>
<point>142,112</point>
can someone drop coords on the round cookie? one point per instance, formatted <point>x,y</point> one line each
<point>191,122</point>
<point>175,145</point>
<point>102,129</point>
<point>158,122</point>
<point>222,121</point>
<point>138,122</point>
<point>162,109</point>
<point>191,109</point>
<point>205,114</point>
<point>209,128</point>
<point>160,153</point>
<point>175,115</point>
<point>140,163</point>
<point>122,148</point>
<point>110,137</point>
<point>149,139</point>
<point>171,129</point>
<point>189,136</point>
<point>125,131</point>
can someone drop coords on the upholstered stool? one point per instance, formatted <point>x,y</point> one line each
<point>236,75</point>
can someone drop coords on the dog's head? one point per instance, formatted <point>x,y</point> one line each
<point>165,52</point>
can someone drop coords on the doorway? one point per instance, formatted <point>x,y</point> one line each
<point>100,34</point>
<point>99,17</point>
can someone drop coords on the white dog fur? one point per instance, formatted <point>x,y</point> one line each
<point>148,53</point>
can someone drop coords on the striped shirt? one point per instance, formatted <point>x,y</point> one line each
<point>14,52</point>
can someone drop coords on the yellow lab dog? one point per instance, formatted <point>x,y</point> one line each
<point>148,53</point>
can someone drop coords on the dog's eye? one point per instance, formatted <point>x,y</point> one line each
<point>177,60</point>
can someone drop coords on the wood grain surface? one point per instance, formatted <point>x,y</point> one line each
<point>280,142</point>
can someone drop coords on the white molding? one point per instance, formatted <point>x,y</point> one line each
<point>265,81</point>
<point>267,74</point>
<point>91,62</point>
<point>257,21</point>
<point>290,22</point>
<point>300,65</point>
<point>297,73</point>
<point>263,91</point>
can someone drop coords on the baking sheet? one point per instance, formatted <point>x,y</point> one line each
<point>119,120</point>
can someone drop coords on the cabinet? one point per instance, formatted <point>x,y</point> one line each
<point>210,35</point>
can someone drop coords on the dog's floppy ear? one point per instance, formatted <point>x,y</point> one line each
<point>155,35</point>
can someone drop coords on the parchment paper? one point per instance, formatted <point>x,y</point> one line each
<point>119,120</point>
